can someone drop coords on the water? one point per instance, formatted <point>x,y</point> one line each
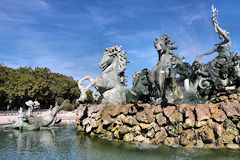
<point>67,143</point>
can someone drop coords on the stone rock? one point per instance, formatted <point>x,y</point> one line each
<point>185,107</point>
<point>95,116</point>
<point>129,120</point>
<point>233,96</point>
<point>168,111</point>
<point>207,135</point>
<point>157,109</point>
<point>150,114</point>
<point>170,130</point>
<point>231,127</point>
<point>145,116</point>
<point>106,119</point>
<point>113,127</point>
<point>232,146</point>
<point>118,119</point>
<point>231,109</point>
<point>237,139</point>
<point>125,108</point>
<point>174,130</point>
<point>179,129</point>
<point>82,112</point>
<point>128,137</point>
<point>190,119</point>
<point>215,125</point>
<point>218,129</point>
<point>109,135</point>
<point>238,125</point>
<point>210,123</point>
<point>139,138</point>
<point>116,134</point>
<point>187,138</point>
<point>157,128</point>
<point>202,112</point>
<point>145,105</point>
<point>100,129</point>
<point>199,143</point>
<point>81,128</point>
<point>116,111</point>
<point>223,98</point>
<point>88,128</point>
<point>161,119</point>
<point>233,131</point>
<point>123,129</point>
<point>220,143</point>
<point>147,141</point>
<point>227,137</point>
<point>88,121</point>
<point>176,117</point>
<point>145,126</point>
<point>124,119</point>
<point>133,121</point>
<point>137,129</point>
<point>94,109</point>
<point>229,124</point>
<point>78,122</point>
<point>199,124</point>
<point>160,136</point>
<point>171,141</point>
<point>132,110</point>
<point>151,133</point>
<point>219,115</point>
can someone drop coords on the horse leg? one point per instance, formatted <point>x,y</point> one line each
<point>83,90</point>
<point>161,83</point>
<point>90,79</point>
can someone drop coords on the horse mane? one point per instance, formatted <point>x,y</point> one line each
<point>122,65</point>
<point>122,60</point>
<point>168,45</point>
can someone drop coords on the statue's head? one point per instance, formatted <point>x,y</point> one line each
<point>159,43</point>
<point>108,56</point>
<point>163,44</point>
<point>140,82</point>
<point>196,65</point>
<point>223,73</point>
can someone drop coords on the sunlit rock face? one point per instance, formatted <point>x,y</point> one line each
<point>213,125</point>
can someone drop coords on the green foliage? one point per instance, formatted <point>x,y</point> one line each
<point>20,85</point>
<point>89,96</point>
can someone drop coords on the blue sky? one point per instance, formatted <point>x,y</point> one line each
<point>69,36</point>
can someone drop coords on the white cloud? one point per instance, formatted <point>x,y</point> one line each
<point>189,19</point>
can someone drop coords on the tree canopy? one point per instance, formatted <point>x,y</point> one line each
<point>20,85</point>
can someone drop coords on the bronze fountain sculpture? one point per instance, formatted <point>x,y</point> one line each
<point>197,83</point>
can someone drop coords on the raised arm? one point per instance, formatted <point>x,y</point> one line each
<point>207,53</point>
<point>222,32</point>
<point>219,30</point>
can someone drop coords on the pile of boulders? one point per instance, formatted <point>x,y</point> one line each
<point>213,125</point>
<point>226,97</point>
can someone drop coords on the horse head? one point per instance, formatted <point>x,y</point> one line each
<point>141,83</point>
<point>107,59</point>
<point>164,45</point>
<point>108,56</point>
<point>114,53</point>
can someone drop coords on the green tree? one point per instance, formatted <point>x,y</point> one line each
<point>22,84</point>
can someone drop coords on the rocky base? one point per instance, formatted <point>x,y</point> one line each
<point>213,125</point>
